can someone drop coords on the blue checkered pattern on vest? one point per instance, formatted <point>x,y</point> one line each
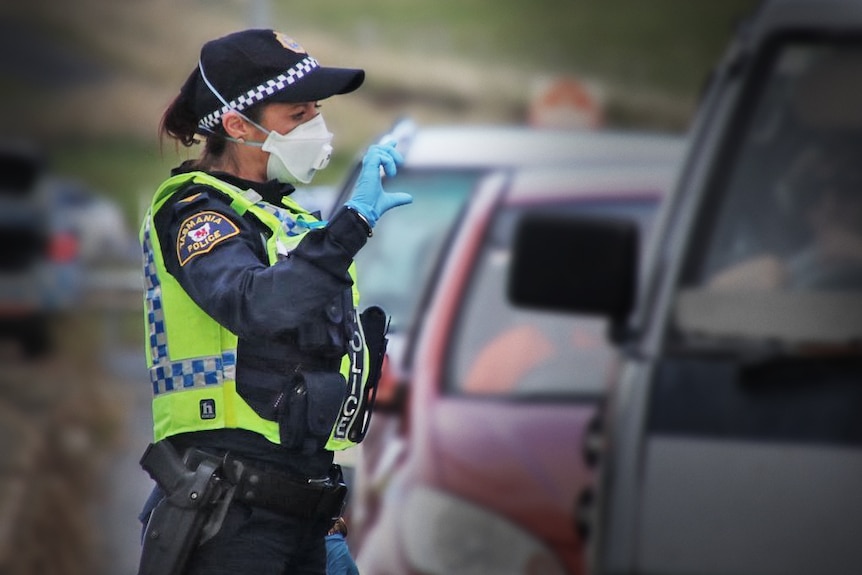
<point>166,375</point>
<point>286,217</point>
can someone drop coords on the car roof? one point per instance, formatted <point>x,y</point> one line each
<point>476,146</point>
<point>647,181</point>
<point>806,14</point>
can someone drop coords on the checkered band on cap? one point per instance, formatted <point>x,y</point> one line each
<point>260,92</point>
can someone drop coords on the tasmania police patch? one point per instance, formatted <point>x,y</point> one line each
<point>201,232</point>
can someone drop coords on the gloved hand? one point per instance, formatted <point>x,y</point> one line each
<point>368,197</point>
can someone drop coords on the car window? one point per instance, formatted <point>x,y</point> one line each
<point>394,266</point>
<point>779,253</point>
<point>501,350</point>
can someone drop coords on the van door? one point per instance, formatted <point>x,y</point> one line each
<point>739,443</point>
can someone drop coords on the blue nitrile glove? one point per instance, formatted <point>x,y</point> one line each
<point>368,197</point>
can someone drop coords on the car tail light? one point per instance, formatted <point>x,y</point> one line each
<point>63,248</point>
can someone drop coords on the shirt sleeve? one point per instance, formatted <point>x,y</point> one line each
<point>219,258</point>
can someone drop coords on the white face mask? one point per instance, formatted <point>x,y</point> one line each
<point>297,155</point>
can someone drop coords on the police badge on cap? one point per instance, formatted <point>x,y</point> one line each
<point>289,43</point>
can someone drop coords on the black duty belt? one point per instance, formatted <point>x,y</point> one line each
<point>280,492</point>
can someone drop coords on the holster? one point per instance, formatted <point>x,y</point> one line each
<point>192,511</point>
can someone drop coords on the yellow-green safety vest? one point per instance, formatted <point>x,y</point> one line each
<point>192,358</point>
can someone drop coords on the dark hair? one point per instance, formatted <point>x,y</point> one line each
<point>180,123</point>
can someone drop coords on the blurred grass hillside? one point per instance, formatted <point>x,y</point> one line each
<point>89,79</point>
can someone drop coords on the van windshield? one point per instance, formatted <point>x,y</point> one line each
<point>393,268</point>
<point>777,252</point>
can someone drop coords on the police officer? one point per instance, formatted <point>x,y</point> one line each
<point>260,361</point>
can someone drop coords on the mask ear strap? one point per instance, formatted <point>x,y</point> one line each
<point>211,87</point>
<point>229,109</point>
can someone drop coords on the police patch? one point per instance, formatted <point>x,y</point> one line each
<point>202,232</point>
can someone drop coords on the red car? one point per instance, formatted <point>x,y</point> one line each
<point>446,166</point>
<point>487,466</point>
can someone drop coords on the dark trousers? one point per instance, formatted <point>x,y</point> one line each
<point>255,540</point>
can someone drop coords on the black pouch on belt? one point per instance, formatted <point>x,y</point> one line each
<point>307,409</point>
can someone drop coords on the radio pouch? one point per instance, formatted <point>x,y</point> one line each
<point>308,408</point>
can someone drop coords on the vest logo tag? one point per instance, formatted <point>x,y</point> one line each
<point>208,409</point>
<point>201,232</point>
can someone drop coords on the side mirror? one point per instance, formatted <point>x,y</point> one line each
<point>576,264</point>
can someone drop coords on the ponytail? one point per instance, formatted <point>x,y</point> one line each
<point>180,123</point>
<point>179,120</point>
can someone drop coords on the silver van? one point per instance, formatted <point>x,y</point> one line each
<point>731,441</point>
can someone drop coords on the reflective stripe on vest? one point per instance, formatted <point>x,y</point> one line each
<point>192,358</point>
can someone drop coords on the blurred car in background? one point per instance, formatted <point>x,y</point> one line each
<point>444,167</point>
<point>454,199</point>
<point>489,469</point>
<point>98,222</point>
<point>40,272</point>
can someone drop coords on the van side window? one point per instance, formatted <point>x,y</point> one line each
<point>783,245</point>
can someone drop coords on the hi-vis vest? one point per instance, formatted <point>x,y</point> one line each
<point>192,358</point>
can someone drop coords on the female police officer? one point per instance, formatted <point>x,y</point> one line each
<point>258,357</point>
